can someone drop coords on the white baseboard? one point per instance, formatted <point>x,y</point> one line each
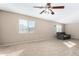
<point>20,42</point>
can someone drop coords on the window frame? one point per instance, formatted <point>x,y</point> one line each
<point>28,28</point>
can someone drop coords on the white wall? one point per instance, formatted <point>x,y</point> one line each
<point>73,29</point>
<point>45,30</point>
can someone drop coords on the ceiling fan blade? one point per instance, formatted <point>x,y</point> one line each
<point>58,7</point>
<point>42,12</point>
<point>39,7</point>
<point>51,12</point>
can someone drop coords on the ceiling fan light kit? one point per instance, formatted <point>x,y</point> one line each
<point>49,7</point>
<point>52,13</point>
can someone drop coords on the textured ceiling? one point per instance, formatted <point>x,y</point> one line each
<point>70,14</point>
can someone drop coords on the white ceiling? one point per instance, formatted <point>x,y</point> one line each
<point>69,14</point>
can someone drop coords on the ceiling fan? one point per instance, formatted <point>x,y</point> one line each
<point>49,7</point>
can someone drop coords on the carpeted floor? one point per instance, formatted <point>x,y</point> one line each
<point>52,47</point>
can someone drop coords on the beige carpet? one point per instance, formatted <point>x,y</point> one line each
<point>52,47</point>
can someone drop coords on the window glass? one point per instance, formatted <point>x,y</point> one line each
<point>31,25</point>
<point>58,28</point>
<point>23,26</point>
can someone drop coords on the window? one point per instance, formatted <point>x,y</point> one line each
<point>26,26</point>
<point>31,25</point>
<point>58,28</point>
